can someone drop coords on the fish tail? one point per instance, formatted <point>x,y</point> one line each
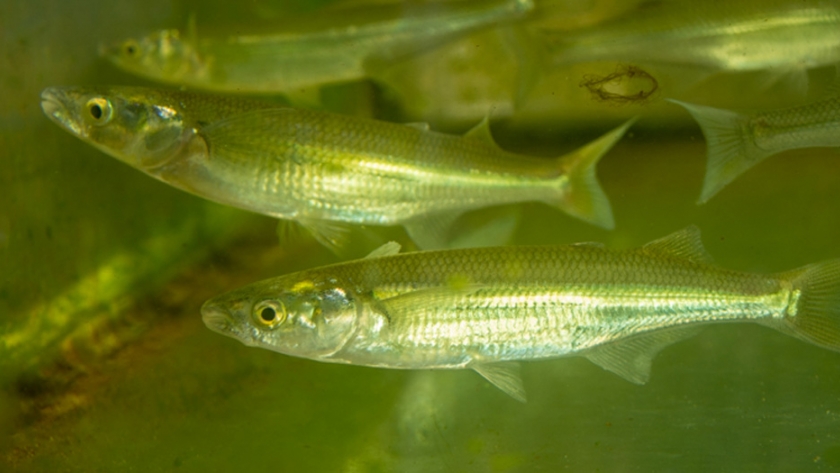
<point>581,194</point>
<point>730,148</point>
<point>815,316</point>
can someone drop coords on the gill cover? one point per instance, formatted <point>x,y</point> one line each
<point>309,319</point>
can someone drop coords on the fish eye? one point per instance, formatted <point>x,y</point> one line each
<point>270,313</point>
<point>131,48</point>
<point>99,110</point>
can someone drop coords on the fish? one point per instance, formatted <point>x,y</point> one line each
<point>737,141</point>
<point>782,38</point>
<point>296,63</point>
<point>322,170</point>
<point>488,309</point>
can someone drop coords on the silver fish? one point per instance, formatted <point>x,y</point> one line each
<point>782,37</point>
<point>488,308</point>
<point>736,142</point>
<point>289,62</point>
<point>324,170</point>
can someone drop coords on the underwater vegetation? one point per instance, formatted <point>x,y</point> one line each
<point>367,124</point>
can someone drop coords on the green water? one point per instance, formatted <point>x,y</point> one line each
<point>105,364</point>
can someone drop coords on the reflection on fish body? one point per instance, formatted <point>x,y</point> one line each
<point>736,142</point>
<point>486,309</point>
<point>292,61</point>
<point>323,170</point>
<point>782,37</point>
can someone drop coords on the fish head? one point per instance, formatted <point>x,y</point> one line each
<point>162,55</point>
<point>143,128</point>
<point>308,318</point>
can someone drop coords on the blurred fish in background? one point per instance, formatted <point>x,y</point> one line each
<point>296,63</point>
<point>736,142</point>
<point>782,38</point>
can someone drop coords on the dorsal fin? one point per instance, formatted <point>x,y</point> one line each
<point>388,249</point>
<point>684,244</point>
<point>481,132</point>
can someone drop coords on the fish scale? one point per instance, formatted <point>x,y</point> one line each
<point>488,308</point>
<point>326,171</point>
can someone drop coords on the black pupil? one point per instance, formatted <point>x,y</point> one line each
<point>96,111</point>
<point>130,50</point>
<point>268,314</point>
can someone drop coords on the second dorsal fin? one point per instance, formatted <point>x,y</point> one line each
<point>388,249</point>
<point>684,244</point>
<point>481,132</point>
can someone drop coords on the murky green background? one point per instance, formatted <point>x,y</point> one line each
<point>106,366</point>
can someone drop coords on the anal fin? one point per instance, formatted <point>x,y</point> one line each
<point>431,232</point>
<point>505,376</point>
<point>497,232</point>
<point>631,358</point>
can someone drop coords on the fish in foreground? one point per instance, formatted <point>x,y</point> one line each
<point>323,170</point>
<point>736,142</point>
<point>488,308</point>
<point>293,61</point>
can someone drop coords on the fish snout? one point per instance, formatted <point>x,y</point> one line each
<point>216,318</point>
<point>59,108</point>
<point>51,103</point>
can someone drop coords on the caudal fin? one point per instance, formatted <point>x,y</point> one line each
<point>584,198</point>
<point>816,317</point>
<point>730,149</point>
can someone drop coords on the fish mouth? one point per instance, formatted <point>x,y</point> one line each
<point>56,105</point>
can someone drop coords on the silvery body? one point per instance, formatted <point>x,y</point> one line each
<point>487,308</point>
<point>323,170</point>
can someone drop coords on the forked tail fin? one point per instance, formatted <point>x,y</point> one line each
<point>815,317</point>
<point>730,149</point>
<point>581,193</point>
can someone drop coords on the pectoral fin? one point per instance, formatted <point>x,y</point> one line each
<point>505,376</point>
<point>419,302</point>
<point>288,232</point>
<point>631,358</point>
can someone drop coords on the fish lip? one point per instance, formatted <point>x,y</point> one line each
<point>56,106</point>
